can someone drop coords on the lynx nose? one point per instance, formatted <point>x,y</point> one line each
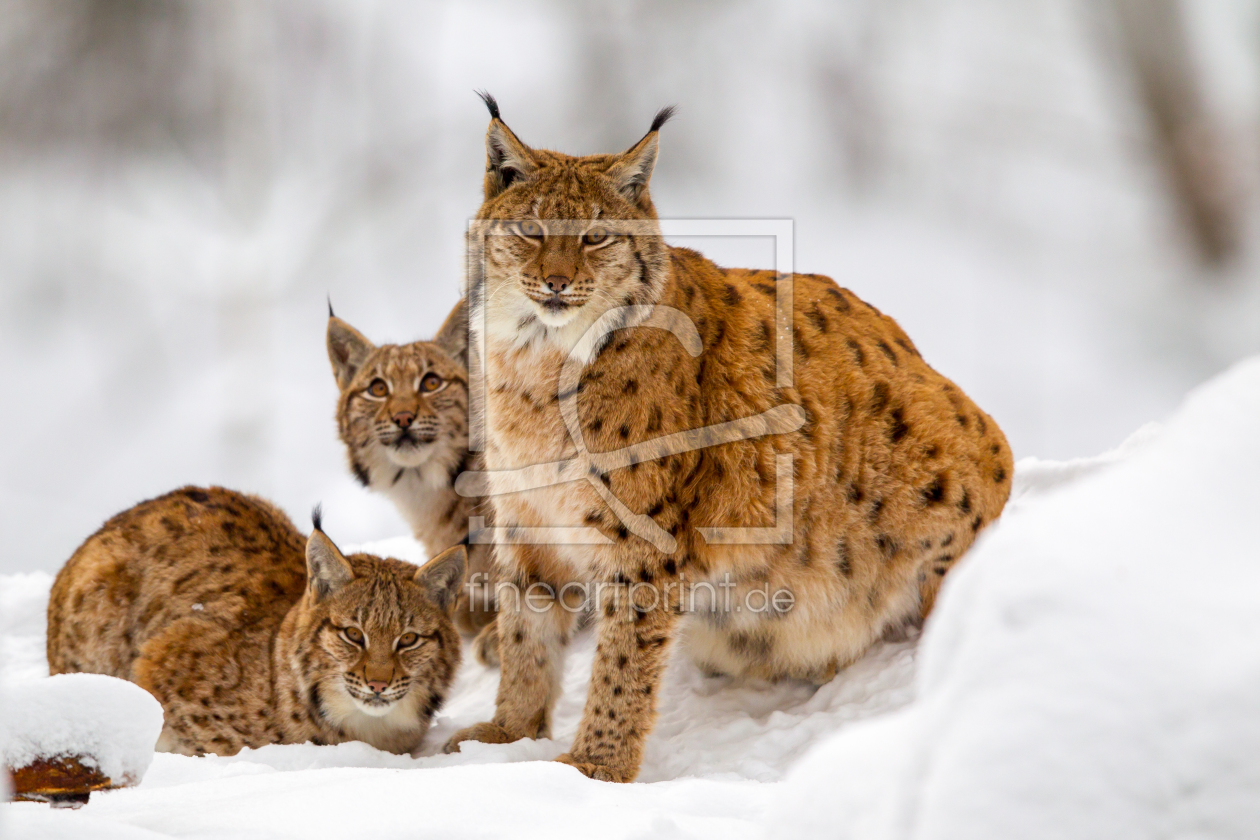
<point>377,686</point>
<point>557,283</point>
<point>404,419</point>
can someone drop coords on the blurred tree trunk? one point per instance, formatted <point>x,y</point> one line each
<point>1194,147</point>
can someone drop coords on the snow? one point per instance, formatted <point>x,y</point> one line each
<point>107,723</point>
<point>1092,670</point>
<point>23,607</point>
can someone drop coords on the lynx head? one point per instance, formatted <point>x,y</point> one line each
<point>564,239</point>
<point>402,406</point>
<point>377,633</point>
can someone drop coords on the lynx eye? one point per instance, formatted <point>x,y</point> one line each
<point>430,383</point>
<point>353,635</point>
<point>529,230</point>
<point>378,388</point>
<point>407,640</point>
<point>595,236</point>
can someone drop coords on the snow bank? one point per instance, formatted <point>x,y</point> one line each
<point>1093,667</point>
<point>111,723</point>
<point>23,618</point>
<point>1092,670</point>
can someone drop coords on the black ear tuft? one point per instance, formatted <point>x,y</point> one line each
<point>490,103</point>
<point>317,517</point>
<point>330,312</point>
<point>327,569</point>
<point>662,116</point>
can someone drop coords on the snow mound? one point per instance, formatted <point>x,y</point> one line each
<point>111,723</point>
<point>23,615</point>
<point>1093,666</point>
<point>1092,670</point>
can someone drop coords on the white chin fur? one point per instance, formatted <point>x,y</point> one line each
<point>376,710</point>
<point>557,319</point>
<point>513,318</point>
<point>409,456</point>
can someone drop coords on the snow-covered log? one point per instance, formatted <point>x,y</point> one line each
<point>72,734</point>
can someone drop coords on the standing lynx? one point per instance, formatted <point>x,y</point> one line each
<point>248,634</point>
<point>403,415</point>
<point>893,469</point>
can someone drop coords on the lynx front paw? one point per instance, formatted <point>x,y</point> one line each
<point>486,733</point>
<point>598,772</point>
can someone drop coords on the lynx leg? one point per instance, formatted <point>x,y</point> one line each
<point>173,668</point>
<point>486,645</point>
<point>621,706</point>
<point>533,630</point>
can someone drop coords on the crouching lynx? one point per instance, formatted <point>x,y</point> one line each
<point>248,634</point>
<point>867,471</point>
<point>403,416</point>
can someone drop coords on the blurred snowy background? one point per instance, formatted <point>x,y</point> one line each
<point>1056,198</point>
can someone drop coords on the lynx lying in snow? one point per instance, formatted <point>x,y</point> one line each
<point>893,469</point>
<point>248,634</point>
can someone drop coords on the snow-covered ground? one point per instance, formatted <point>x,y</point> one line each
<point>1092,670</point>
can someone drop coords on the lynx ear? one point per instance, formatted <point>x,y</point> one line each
<point>507,158</point>
<point>347,350</point>
<point>453,336</point>
<point>442,576</point>
<point>633,168</point>
<point>327,570</point>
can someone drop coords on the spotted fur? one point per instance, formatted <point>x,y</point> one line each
<point>410,443</point>
<point>894,469</point>
<point>249,634</point>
